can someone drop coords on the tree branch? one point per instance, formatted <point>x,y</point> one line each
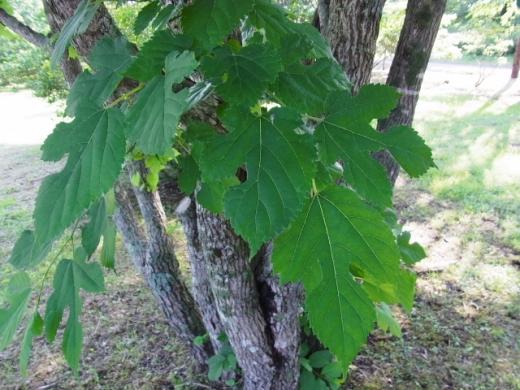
<point>23,30</point>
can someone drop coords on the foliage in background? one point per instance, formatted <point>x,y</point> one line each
<point>24,65</point>
<point>487,27</point>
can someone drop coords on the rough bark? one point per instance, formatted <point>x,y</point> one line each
<point>187,214</point>
<point>352,28</point>
<point>282,306</point>
<point>236,298</point>
<point>421,24</point>
<point>161,271</point>
<point>516,61</point>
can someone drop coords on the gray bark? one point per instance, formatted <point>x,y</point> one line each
<point>161,271</point>
<point>421,24</point>
<point>236,298</point>
<point>352,29</point>
<point>282,306</point>
<point>187,214</point>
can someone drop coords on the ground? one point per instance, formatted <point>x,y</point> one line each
<point>464,332</point>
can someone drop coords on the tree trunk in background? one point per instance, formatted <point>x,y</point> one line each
<point>352,28</point>
<point>516,61</point>
<point>421,24</point>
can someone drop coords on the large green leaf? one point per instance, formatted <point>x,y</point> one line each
<point>70,277</point>
<point>110,58</point>
<point>306,87</point>
<point>150,59</point>
<point>335,234</point>
<point>280,166</point>
<point>27,251</point>
<point>346,134</point>
<point>18,294</point>
<point>409,149</point>
<point>153,119</point>
<point>76,25</point>
<point>96,146</point>
<point>208,22</point>
<point>240,77</point>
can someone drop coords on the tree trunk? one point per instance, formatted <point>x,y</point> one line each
<point>352,28</point>
<point>187,213</point>
<point>516,61</point>
<point>421,24</point>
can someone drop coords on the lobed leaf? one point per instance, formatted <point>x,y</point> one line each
<point>96,146</point>
<point>208,22</point>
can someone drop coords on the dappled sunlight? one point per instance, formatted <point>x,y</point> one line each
<point>505,170</point>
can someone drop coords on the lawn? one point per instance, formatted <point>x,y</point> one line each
<point>464,332</point>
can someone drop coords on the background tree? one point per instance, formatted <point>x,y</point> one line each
<point>215,198</point>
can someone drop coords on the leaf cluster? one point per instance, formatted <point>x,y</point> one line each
<point>288,159</point>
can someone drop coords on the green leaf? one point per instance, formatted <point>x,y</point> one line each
<point>150,59</point>
<point>110,58</point>
<point>211,193</point>
<point>386,320</point>
<point>240,77</point>
<point>309,381</point>
<point>34,329</point>
<point>92,231</point>
<point>216,367</point>
<point>409,149</point>
<point>179,65</point>
<point>336,232</point>
<point>4,4</point>
<point>153,119</point>
<point>28,252</point>
<point>111,55</point>
<point>280,166</point>
<point>96,146</point>
<point>145,16</point>
<point>320,359</point>
<point>346,134</point>
<point>188,175</point>
<point>208,22</point>
<point>97,88</point>
<point>69,278</point>
<point>411,253</point>
<point>368,177</point>
<point>108,251</point>
<point>306,87</point>
<point>76,25</point>
<point>166,14</point>
<point>17,297</point>
<point>332,372</point>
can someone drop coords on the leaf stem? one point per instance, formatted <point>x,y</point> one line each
<point>125,96</point>
<point>53,261</point>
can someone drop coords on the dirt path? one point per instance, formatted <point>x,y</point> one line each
<point>26,119</point>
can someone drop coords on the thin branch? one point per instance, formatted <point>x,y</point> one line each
<point>23,30</point>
